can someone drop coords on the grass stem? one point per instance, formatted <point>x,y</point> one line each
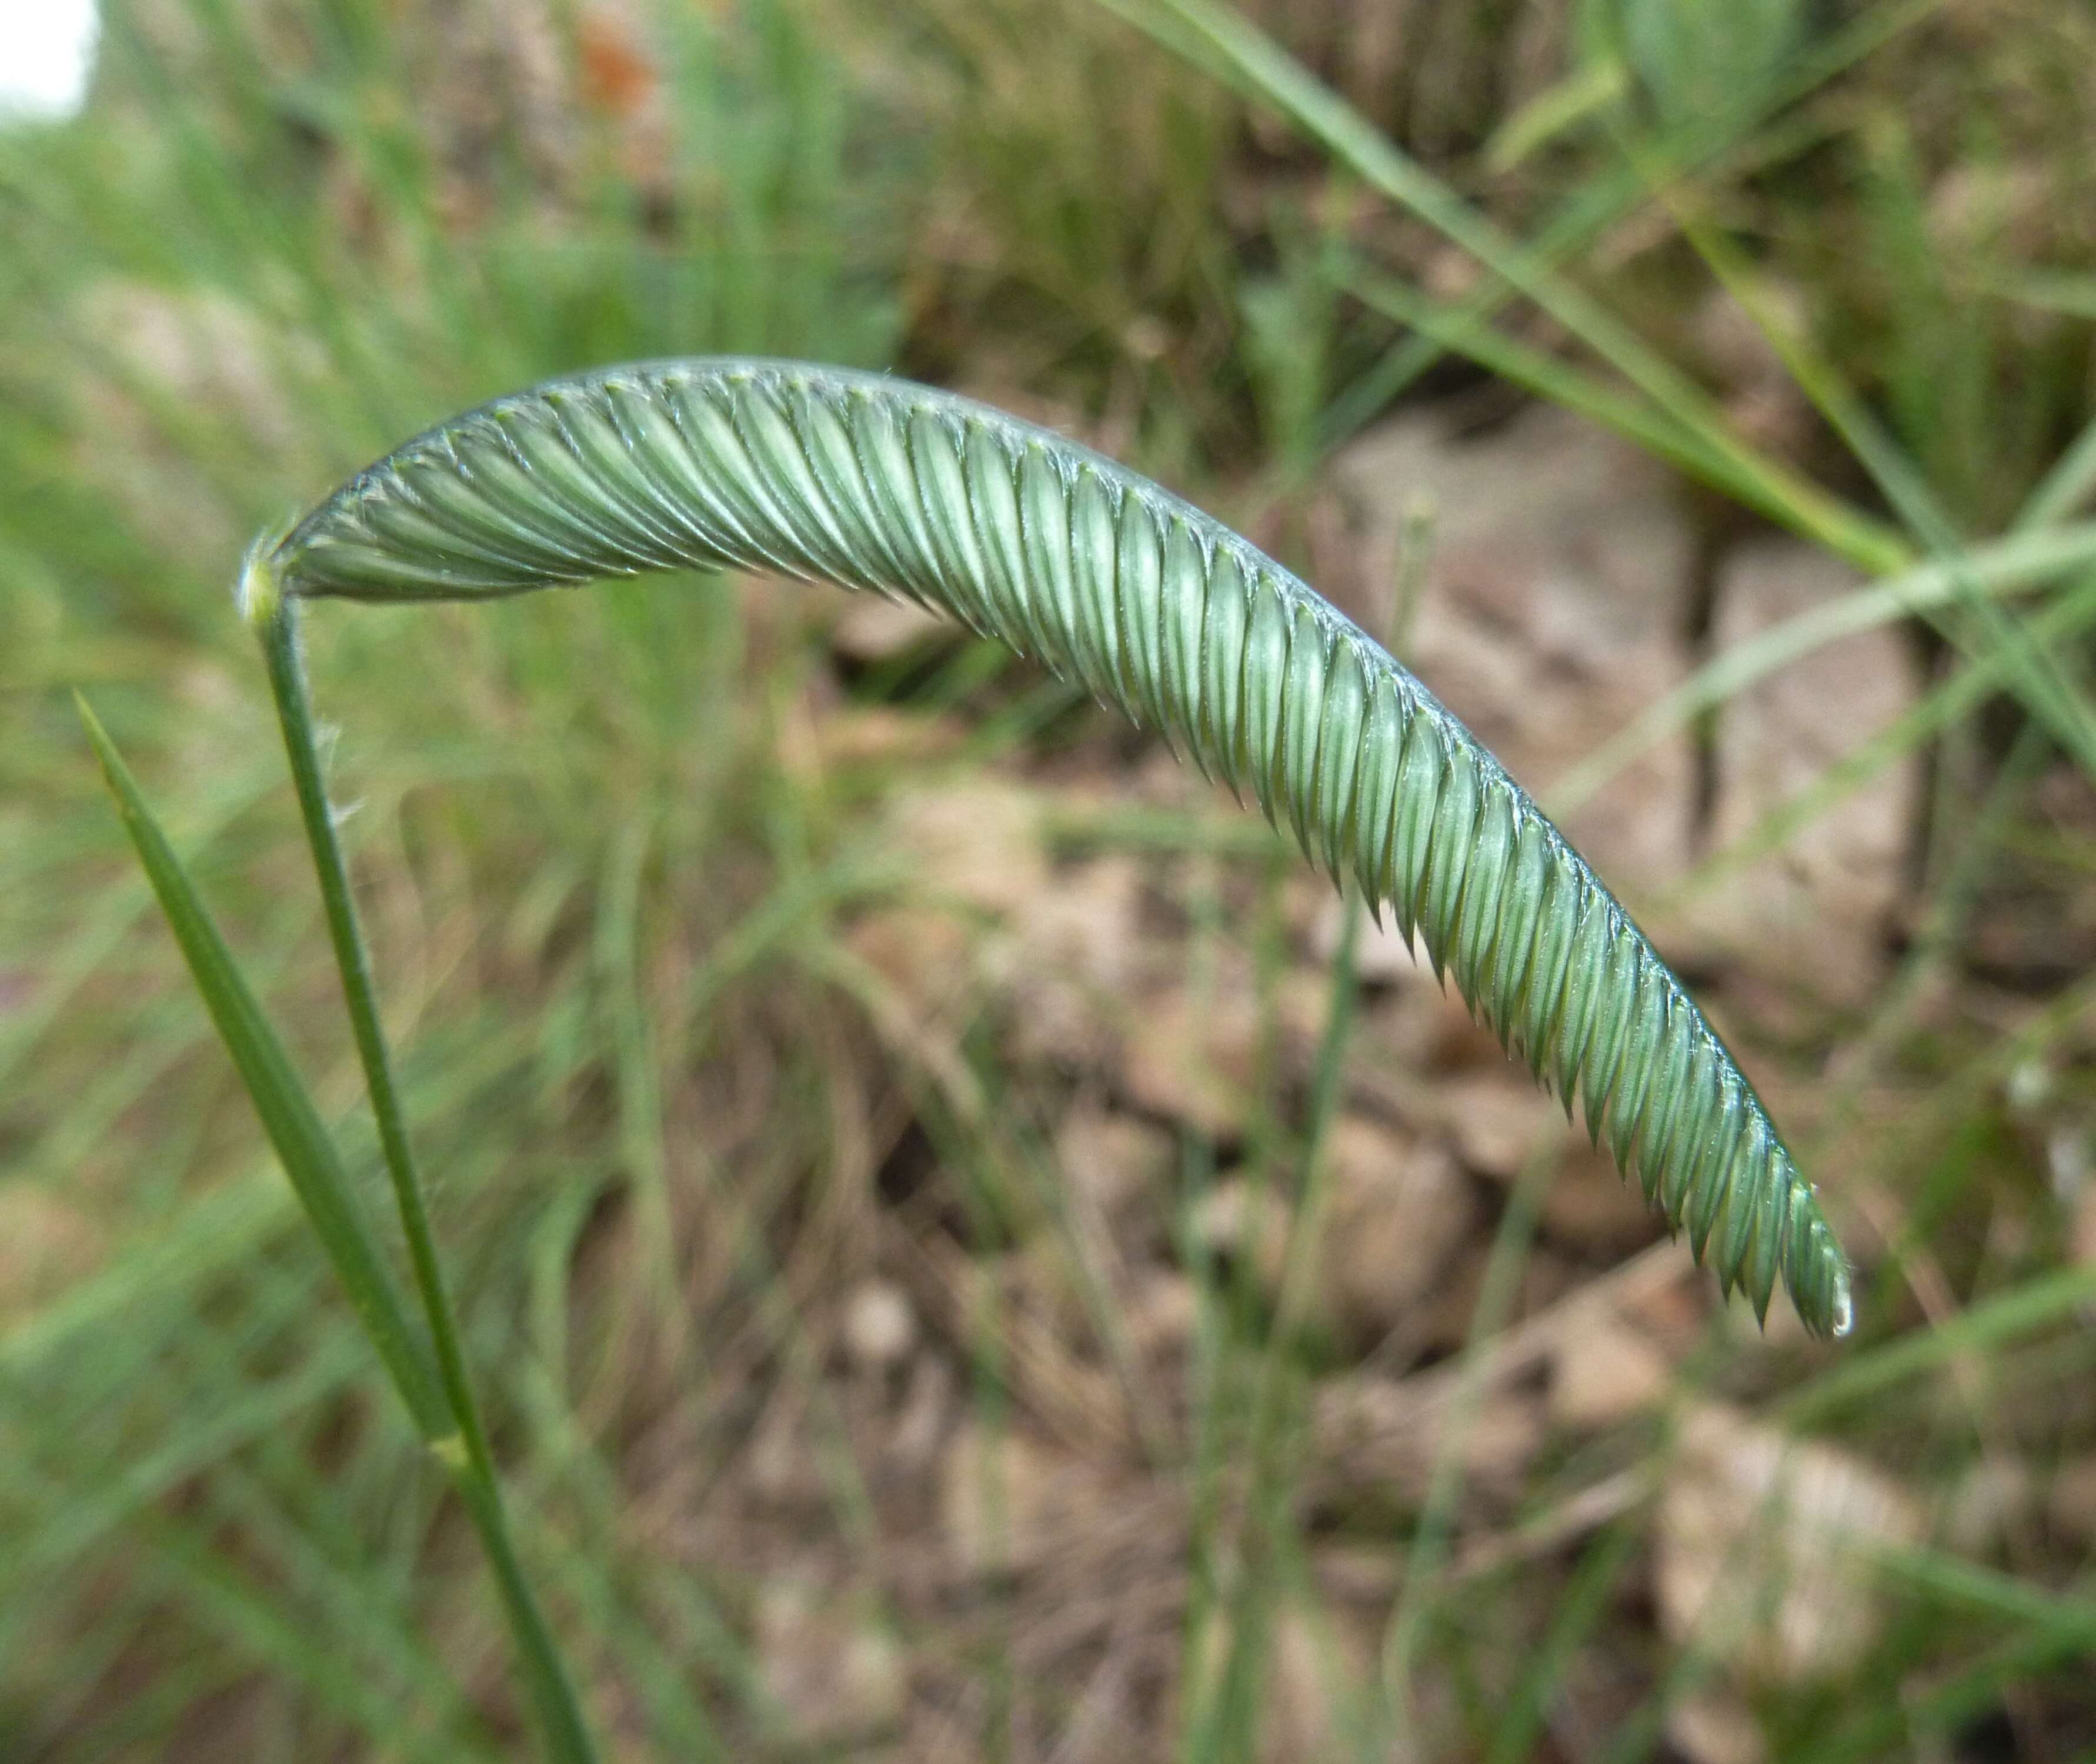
<point>465,1454</point>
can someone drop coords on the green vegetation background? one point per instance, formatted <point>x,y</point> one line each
<point>614,845</point>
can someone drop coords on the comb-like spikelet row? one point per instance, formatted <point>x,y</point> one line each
<point>875,484</point>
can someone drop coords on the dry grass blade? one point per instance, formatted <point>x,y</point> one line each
<point>875,484</point>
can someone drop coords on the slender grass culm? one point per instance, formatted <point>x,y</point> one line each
<point>880,485</point>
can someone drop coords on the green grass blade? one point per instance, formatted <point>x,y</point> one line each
<point>2050,690</point>
<point>1450,328</point>
<point>1591,210</point>
<point>281,1099</point>
<point>1260,65</point>
<point>2025,559</point>
<point>317,1175</point>
<point>2067,487</point>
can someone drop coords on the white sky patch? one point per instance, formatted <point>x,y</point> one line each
<point>46,47</point>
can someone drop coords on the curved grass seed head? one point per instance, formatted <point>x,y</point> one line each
<point>875,484</point>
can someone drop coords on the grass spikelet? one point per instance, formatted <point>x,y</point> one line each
<point>1108,580</point>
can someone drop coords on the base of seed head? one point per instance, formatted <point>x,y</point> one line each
<point>260,592</point>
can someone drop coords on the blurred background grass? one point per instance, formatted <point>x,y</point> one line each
<point>875,1102</point>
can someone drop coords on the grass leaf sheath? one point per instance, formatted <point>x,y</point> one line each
<point>875,484</point>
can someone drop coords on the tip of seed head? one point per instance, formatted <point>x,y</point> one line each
<point>1841,1310</point>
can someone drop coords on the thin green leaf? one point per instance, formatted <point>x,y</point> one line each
<point>1259,65</point>
<point>2024,560</point>
<point>281,1100</point>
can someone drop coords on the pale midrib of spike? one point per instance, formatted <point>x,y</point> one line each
<point>1155,608</point>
